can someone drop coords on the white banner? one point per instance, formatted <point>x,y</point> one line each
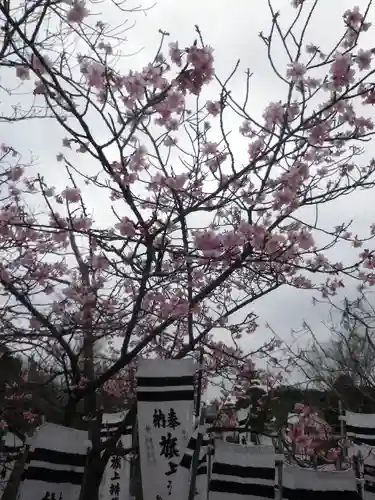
<point>56,464</point>
<point>360,428</point>
<point>308,484</point>
<point>238,472</point>
<point>115,483</point>
<point>165,394</point>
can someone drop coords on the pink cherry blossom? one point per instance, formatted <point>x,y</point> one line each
<point>22,72</point>
<point>38,65</point>
<point>213,108</point>
<point>342,72</point>
<point>297,3</point>
<point>255,147</point>
<point>353,17</point>
<point>16,173</point>
<point>77,13</point>
<point>209,148</point>
<point>296,71</point>
<point>207,241</point>
<point>175,54</point>
<point>126,227</point>
<point>363,59</point>
<point>319,133</point>
<point>283,196</point>
<point>40,89</point>
<point>81,224</point>
<point>28,415</point>
<point>305,240</point>
<point>273,114</point>
<point>177,182</point>
<point>72,195</point>
<point>94,73</point>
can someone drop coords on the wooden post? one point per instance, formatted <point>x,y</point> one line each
<point>195,459</point>
<point>358,468</point>
<point>135,483</point>
<point>198,399</point>
<point>279,467</point>
<point>342,429</point>
<point>210,454</point>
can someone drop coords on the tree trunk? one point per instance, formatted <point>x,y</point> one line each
<point>92,478</point>
<point>12,487</point>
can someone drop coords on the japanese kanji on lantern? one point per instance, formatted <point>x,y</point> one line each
<point>165,394</point>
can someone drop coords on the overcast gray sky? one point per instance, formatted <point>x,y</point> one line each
<point>232,28</point>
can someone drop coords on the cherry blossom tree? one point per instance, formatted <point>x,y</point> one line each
<point>157,239</point>
<point>310,442</point>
